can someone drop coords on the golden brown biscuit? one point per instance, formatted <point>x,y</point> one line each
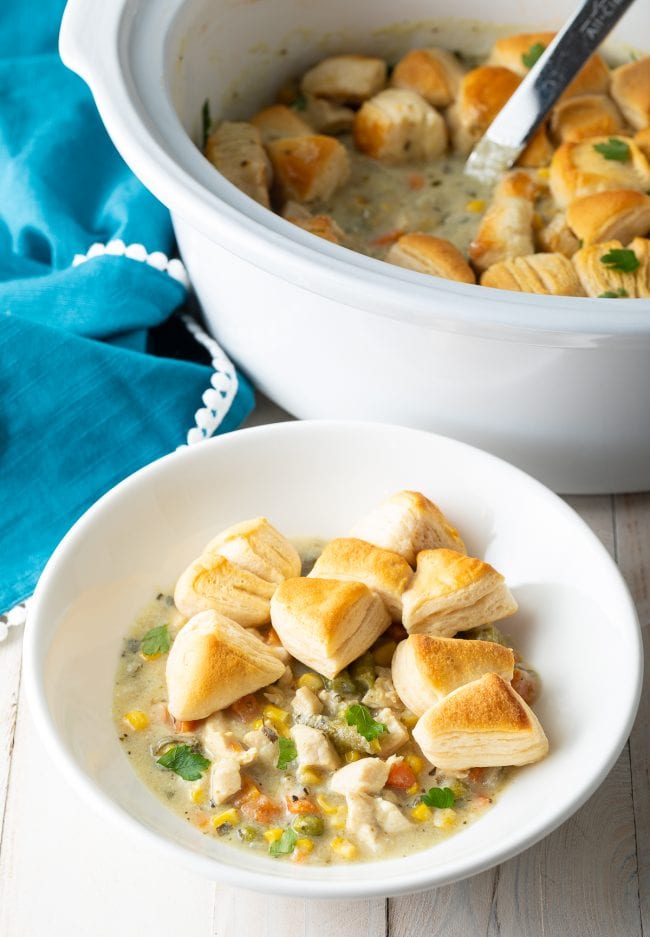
<point>328,116</point>
<point>213,582</point>
<point>258,547</point>
<point>398,126</point>
<point>556,237</point>
<point>582,168</point>
<point>235,149</point>
<point>452,592</point>
<point>278,121</point>
<point>323,226</point>
<point>310,167</point>
<point>406,523</point>
<point>345,78</point>
<point>483,92</point>
<point>326,624</point>
<point>618,214</point>
<point>631,91</point>
<point>386,573</point>
<point>506,228</point>
<point>599,279</point>
<point>482,724</point>
<point>426,668</point>
<point>433,73</point>
<point>551,274</point>
<point>642,140</point>
<point>538,152</point>
<point>584,116</point>
<point>432,255</point>
<point>213,662</point>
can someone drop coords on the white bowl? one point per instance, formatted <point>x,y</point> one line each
<point>576,623</point>
<point>559,386</point>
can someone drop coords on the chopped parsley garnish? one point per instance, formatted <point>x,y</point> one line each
<point>621,259</point>
<point>360,717</point>
<point>156,641</point>
<point>439,797</point>
<point>287,754</point>
<point>614,149</point>
<point>614,294</point>
<point>184,761</point>
<point>206,121</point>
<point>285,845</point>
<point>300,103</point>
<point>535,52</point>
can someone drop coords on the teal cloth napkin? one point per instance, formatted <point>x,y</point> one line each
<point>83,401</point>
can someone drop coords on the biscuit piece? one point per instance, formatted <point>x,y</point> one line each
<point>345,78</point>
<point>326,624</point>
<point>327,116</point>
<point>351,560</point>
<point>551,274</point>
<point>213,582</point>
<point>631,91</point>
<point>538,151</point>
<point>600,280</point>
<point>593,77</point>
<point>579,169</point>
<point>323,226</point>
<point>584,116</point>
<point>482,724</point>
<point>556,237</point>
<point>406,523</point>
<point>398,126</point>
<point>642,140</point>
<point>483,92</point>
<point>279,121</point>
<point>432,255</point>
<point>235,149</point>
<point>453,592</point>
<point>310,167</point>
<point>213,662</point>
<point>258,547</point>
<point>434,73</point>
<point>506,228</point>
<point>619,213</point>
<point>427,668</point>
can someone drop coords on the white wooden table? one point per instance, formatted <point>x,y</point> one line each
<point>64,874</point>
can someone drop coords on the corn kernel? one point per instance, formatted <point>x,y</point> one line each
<point>476,205</point>
<point>137,720</point>
<point>228,816</point>
<point>275,714</point>
<point>326,805</point>
<point>273,835</point>
<point>414,762</point>
<point>352,756</point>
<point>409,720</point>
<point>310,776</point>
<point>338,822</point>
<point>413,789</point>
<point>421,813</point>
<point>544,172</point>
<point>383,655</point>
<point>375,746</point>
<point>343,847</point>
<point>312,681</point>
<point>444,818</point>
<point>197,795</point>
<point>258,724</point>
<point>304,844</point>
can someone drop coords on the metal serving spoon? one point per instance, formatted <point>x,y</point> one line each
<point>518,120</point>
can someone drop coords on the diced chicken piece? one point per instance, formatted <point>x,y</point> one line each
<point>309,168</point>
<point>390,817</point>
<point>366,776</point>
<point>382,693</point>
<point>223,744</point>
<point>327,116</point>
<point>330,700</point>
<point>266,751</point>
<point>398,126</point>
<point>368,817</point>
<point>235,149</point>
<point>306,703</point>
<point>345,78</point>
<point>225,779</point>
<point>396,734</point>
<point>279,121</point>
<point>314,749</point>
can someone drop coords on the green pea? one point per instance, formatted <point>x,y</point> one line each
<point>308,824</point>
<point>247,833</point>
<point>363,670</point>
<point>344,684</point>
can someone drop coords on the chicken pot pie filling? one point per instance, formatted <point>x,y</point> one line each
<point>401,736</point>
<point>371,155</point>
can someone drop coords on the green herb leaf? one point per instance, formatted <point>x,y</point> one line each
<point>287,754</point>
<point>621,259</point>
<point>185,762</point>
<point>206,120</point>
<point>613,149</point>
<point>300,103</point>
<point>439,797</point>
<point>156,641</point>
<point>360,717</point>
<point>614,294</point>
<point>285,845</point>
<point>535,52</point>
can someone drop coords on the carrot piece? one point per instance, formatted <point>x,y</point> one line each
<point>254,804</point>
<point>302,805</point>
<point>476,775</point>
<point>416,181</point>
<point>186,725</point>
<point>401,776</point>
<point>389,238</point>
<point>247,708</point>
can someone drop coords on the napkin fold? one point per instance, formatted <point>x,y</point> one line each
<point>83,400</point>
